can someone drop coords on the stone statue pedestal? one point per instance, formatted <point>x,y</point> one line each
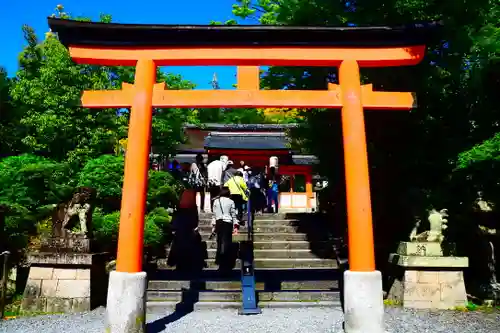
<point>423,278</point>
<point>64,277</point>
<point>69,244</point>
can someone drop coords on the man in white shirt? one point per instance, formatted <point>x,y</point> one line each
<point>214,171</point>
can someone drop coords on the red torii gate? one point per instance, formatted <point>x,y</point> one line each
<point>149,46</point>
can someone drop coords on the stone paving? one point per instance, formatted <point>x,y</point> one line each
<point>317,320</point>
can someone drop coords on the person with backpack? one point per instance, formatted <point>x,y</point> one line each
<point>197,179</point>
<point>255,185</point>
<point>229,172</point>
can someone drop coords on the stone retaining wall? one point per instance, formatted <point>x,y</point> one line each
<point>57,290</point>
<point>62,287</point>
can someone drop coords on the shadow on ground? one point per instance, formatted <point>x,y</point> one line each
<point>189,298</point>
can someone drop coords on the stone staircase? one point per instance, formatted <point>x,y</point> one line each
<point>293,268</point>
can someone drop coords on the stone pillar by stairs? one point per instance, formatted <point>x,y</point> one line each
<point>65,282</point>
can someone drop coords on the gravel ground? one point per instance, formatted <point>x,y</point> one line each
<point>314,320</point>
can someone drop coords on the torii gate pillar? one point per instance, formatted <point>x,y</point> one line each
<point>129,278</point>
<point>364,312</point>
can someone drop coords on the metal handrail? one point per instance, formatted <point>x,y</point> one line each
<point>5,256</point>
<point>250,217</point>
<point>249,295</point>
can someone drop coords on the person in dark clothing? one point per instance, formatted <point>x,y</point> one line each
<point>176,170</point>
<point>229,172</point>
<point>198,178</point>
<point>255,184</point>
<point>273,191</point>
<point>187,251</point>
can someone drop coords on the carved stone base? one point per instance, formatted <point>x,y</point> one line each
<point>420,249</point>
<point>427,282</point>
<point>71,244</point>
<point>65,282</point>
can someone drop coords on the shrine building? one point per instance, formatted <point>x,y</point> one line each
<point>255,144</point>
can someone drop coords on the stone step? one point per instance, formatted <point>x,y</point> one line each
<point>288,245</point>
<point>235,296</point>
<point>262,237</point>
<point>259,228</point>
<point>263,217</point>
<point>272,263</point>
<point>272,277</point>
<point>169,306</point>
<point>278,245</point>
<point>208,221</point>
<point>241,236</point>
<point>236,285</point>
<point>272,253</point>
<point>271,237</point>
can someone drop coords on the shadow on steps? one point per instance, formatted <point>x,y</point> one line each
<point>324,236</point>
<point>189,298</point>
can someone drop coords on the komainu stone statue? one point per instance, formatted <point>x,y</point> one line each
<point>438,221</point>
<point>423,273</point>
<point>81,207</point>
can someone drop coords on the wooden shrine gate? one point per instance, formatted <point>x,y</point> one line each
<point>248,47</point>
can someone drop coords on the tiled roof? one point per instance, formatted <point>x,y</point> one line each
<point>295,159</point>
<point>186,158</point>
<point>241,127</point>
<point>251,141</point>
<point>304,159</point>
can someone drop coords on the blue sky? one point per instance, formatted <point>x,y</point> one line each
<point>35,12</point>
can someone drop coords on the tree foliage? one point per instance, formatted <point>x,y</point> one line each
<point>46,92</point>
<point>30,187</point>
<point>456,84</point>
<point>64,145</point>
<point>8,120</point>
<point>32,182</point>
<point>441,153</point>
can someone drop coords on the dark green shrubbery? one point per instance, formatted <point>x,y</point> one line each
<point>32,186</point>
<point>156,229</point>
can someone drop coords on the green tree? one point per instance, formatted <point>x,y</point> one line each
<point>105,174</point>
<point>47,89</point>
<point>454,85</point>
<point>436,156</point>
<point>9,118</point>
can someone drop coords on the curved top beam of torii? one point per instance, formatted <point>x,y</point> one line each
<point>187,45</point>
<point>166,35</point>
